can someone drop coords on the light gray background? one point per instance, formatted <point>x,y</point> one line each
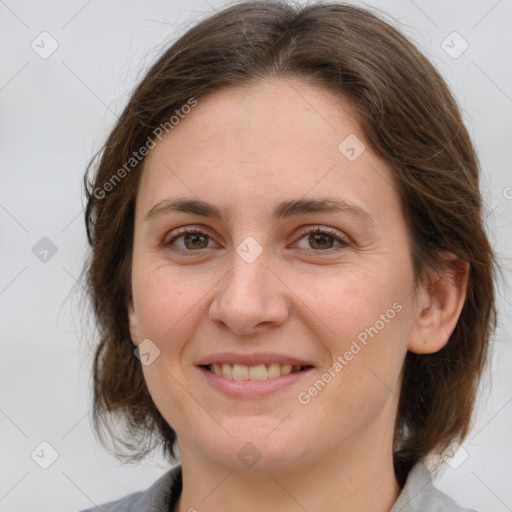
<point>55,112</point>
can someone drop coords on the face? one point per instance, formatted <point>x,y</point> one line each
<point>269,277</point>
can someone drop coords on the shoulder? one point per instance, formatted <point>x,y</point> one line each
<point>156,498</point>
<point>420,495</point>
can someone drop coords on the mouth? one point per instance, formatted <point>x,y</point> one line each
<point>257,372</point>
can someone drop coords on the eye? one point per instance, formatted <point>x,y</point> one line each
<point>193,239</point>
<point>320,239</point>
<point>323,239</point>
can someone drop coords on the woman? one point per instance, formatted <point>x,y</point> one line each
<point>289,269</point>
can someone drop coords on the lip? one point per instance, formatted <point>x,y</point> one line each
<point>251,359</point>
<point>252,388</point>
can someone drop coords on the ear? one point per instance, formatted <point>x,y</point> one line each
<point>439,304</point>
<point>132,320</point>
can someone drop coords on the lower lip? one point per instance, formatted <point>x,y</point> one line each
<point>252,388</point>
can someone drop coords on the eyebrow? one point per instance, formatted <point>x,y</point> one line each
<point>283,210</point>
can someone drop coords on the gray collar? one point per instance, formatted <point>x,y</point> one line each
<point>417,495</point>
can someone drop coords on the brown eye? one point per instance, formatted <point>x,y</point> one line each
<point>323,239</point>
<point>195,241</point>
<point>320,241</point>
<point>189,240</point>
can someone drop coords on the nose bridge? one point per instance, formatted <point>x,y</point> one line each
<point>249,262</point>
<point>250,294</point>
<point>248,279</point>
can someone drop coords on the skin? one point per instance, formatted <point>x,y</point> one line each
<point>245,149</point>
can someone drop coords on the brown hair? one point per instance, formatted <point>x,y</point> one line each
<point>410,119</point>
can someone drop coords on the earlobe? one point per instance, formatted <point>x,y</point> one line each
<point>439,306</point>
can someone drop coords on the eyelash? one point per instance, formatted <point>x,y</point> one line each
<point>343,240</point>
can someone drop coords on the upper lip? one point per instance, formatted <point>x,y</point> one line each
<point>251,359</point>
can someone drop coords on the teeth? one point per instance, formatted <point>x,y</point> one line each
<point>257,372</point>
<point>274,370</point>
<point>240,372</point>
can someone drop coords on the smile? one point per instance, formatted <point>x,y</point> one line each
<point>252,382</point>
<point>255,372</point>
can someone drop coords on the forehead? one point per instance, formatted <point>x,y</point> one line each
<point>249,119</point>
<point>255,144</point>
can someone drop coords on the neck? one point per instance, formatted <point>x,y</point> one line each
<point>353,476</point>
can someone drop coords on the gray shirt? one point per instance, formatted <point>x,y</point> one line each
<point>417,495</point>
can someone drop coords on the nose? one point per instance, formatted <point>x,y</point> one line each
<point>250,298</point>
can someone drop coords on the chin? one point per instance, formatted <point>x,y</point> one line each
<point>255,445</point>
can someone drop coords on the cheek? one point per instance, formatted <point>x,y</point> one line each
<point>166,302</point>
<point>342,304</point>
<point>167,313</point>
<point>361,321</point>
